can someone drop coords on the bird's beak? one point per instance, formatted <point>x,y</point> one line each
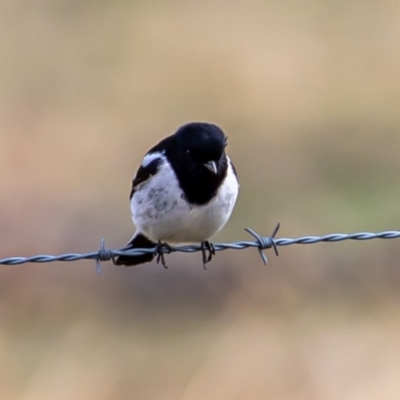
<point>212,166</point>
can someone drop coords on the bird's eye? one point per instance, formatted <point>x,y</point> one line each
<point>188,151</point>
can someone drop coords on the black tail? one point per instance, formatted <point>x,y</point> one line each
<point>139,242</point>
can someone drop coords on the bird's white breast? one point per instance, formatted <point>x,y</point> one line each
<point>161,212</point>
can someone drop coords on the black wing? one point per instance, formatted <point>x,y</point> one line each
<point>144,173</point>
<point>233,169</point>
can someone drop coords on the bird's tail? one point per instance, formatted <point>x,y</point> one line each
<point>138,241</point>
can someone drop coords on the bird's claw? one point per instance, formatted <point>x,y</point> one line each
<point>207,246</point>
<point>161,249</point>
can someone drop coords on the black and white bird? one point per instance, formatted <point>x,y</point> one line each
<point>183,192</point>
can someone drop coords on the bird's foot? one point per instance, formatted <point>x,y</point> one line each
<point>162,248</point>
<point>207,246</point>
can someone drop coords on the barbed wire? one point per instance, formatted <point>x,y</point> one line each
<point>261,243</point>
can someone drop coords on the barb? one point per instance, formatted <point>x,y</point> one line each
<point>265,242</point>
<point>261,243</point>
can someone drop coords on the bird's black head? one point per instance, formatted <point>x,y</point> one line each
<point>199,160</point>
<point>202,143</point>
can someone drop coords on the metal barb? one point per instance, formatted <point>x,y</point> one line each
<point>104,254</point>
<point>265,242</point>
<point>274,232</point>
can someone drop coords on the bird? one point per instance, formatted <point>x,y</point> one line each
<point>183,192</point>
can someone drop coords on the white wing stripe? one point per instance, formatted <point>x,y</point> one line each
<point>148,158</point>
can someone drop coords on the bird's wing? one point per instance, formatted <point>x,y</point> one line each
<point>148,168</point>
<point>233,167</point>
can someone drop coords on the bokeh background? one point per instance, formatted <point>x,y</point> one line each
<point>309,95</point>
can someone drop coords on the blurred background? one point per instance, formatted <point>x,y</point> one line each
<point>309,95</point>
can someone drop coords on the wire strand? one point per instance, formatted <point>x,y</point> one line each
<point>261,243</point>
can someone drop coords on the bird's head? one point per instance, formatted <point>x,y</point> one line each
<point>202,144</point>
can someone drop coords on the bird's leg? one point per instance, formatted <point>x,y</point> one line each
<point>160,246</point>
<point>207,246</point>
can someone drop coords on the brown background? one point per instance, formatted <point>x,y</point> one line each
<point>308,93</point>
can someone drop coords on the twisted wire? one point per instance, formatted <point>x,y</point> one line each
<point>260,242</point>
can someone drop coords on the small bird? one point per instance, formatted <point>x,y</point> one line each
<point>183,192</point>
